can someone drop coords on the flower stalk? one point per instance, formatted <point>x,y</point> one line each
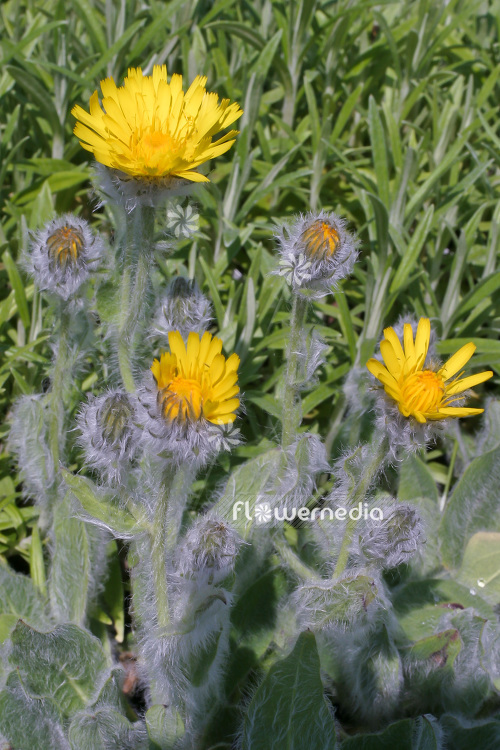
<point>291,405</point>
<point>134,287</point>
<point>370,471</point>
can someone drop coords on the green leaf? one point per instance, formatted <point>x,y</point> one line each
<point>421,733</point>
<point>164,726</point>
<point>17,287</point>
<point>421,605</point>
<point>379,152</point>
<point>289,708</point>
<point>29,722</point>
<point>464,735</point>
<point>412,253</point>
<point>480,567</point>
<point>71,566</point>
<point>118,520</point>
<point>446,644</point>
<point>244,486</point>
<point>415,480</point>
<point>65,664</point>
<point>20,597</point>
<point>105,729</point>
<point>472,507</point>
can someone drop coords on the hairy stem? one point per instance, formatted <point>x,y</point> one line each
<point>291,417</point>
<point>166,528</point>
<point>134,286</point>
<point>368,475</point>
<point>55,397</point>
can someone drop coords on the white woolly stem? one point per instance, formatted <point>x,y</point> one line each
<point>291,419</point>
<point>55,397</point>
<point>134,286</point>
<point>369,473</point>
<point>166,526</point>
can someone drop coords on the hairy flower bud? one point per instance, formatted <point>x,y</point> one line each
<point>316,253</point>
<point>395,539</point>
<point>183,308</point>
<point>209,549</point>
<point>107,430</point>
<point>63,255</point>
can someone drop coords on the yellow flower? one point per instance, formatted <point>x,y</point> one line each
<point>423,393</point>
<point>196,381</point>
<point>151,129</point>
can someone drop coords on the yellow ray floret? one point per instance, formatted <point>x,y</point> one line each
<point>423,393</point>
<point>151,129</point>
<point>196,381</point>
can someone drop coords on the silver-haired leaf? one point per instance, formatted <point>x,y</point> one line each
<point>106,729</point>
<point>20,597</point>
<point>29,722</point>
<point>70,572</point>
<point>118,520</point>
<point>289,708</point>
<point>66,664</point>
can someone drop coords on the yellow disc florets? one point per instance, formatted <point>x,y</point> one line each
<point>320,239</point>
<point>64,246</point>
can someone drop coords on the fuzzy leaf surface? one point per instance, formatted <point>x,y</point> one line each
<point>29,722</point>
<point>66,664</point>
<point>289,709</point>
<point>106,729</point>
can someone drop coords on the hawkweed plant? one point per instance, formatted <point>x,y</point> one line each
<point>284,598</point>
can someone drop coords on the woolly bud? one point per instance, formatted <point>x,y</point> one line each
<point>183,308</point>
<point>395,539</point>
<point>316,253</point>
<point>326,604</point>
<point>107,429</point>
<point>63,255</point>
<point>209,548</point>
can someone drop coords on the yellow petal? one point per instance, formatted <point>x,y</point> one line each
<point>393,364</point>
<point>457,361</point>
<point>459,411</point>
<point>462,385</point>
<point>380,372</point>
<point>408,341</point>
<point>422,340</point>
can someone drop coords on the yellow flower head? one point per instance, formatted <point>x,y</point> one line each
<point>425,394</point>
<point>151,129</point>
<point>196,381</point>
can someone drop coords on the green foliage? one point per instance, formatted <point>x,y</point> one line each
<point>289,709</point>
<point>388,114</point>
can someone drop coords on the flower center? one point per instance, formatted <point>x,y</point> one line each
<point>157,149</point>
<point>182,399</point>
<point>423,391</point>
<point>321,239</point>
<point>65,246</point>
